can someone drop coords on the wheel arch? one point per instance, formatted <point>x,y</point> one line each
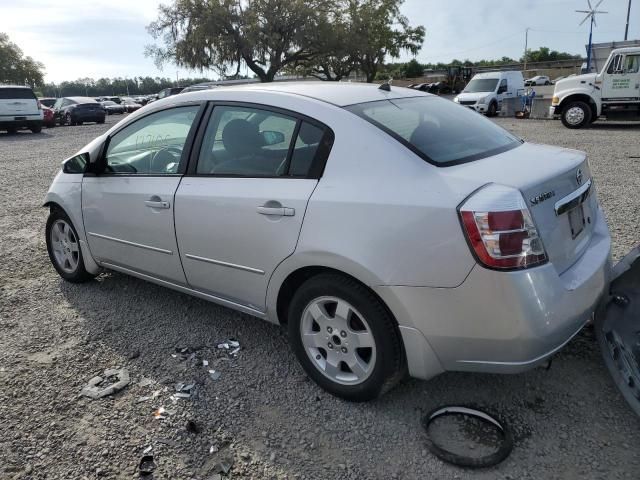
<point>579,97</point>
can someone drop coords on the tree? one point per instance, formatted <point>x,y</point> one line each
<point>545,54</point>
<point>267,35</point>
<point>381,31</point>
<point>412,69</point>
<point>15,67</point>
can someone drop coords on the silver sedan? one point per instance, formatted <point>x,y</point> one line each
<point>390,231</point>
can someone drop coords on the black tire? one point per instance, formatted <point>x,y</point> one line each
<point>389,366</point>
<point>547,82</point>
<point>12,130</point>
<point>493,109</point>
<point>101,121</point>
<point>571,118</point>
<point>36,128</point>
<point>80,274</point>
<point>67,119</point>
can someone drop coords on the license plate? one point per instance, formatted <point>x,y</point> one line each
<point>19,118</point>
<point>576,221</point>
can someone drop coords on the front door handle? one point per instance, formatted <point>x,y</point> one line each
<point>157,204</point>
<point>277,211</point>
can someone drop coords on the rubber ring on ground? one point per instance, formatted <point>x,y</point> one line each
<point>461,460</point>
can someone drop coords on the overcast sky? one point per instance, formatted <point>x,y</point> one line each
<point>106,38</point>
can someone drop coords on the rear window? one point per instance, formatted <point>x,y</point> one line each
<point>21,93</point>
<point>438,130</point>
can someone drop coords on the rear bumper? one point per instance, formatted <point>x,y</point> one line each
<point>504,322</point>
<point>87,117</point>
<point>19,121</point>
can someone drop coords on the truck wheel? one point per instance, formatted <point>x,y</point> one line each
<point>576,115</point>
<point>493,109</point>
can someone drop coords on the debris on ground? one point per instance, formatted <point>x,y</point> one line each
<point>214,374</point>
<point>183,390</point>
<point>161,413</point>
<point>223,466</point>
<point>146,466</point>
<point>227,344</point>
<point>113,381</point>
<point>147,450</point>
<point>155,394</point>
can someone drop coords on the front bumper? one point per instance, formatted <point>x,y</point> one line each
<point>504,322</point>
<point>552,110</point>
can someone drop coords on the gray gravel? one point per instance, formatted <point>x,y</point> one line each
<point>262,414</point>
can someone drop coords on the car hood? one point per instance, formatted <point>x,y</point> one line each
<point>586,80</point>
<point>475,96</point>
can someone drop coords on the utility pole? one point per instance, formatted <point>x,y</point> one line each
<point>526,44</point>
<point>626,30</point>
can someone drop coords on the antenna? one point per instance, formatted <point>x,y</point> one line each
<point>591,15</point>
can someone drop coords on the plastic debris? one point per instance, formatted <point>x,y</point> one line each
<point>118,377</point>
<point>234,351</point>
<point>224,466</point>
<point>213,449</point>
<point>205,363</point>
<point>146,466</point>
<point>227,344</point>
<point>214,374</point>
<point>147,450</point>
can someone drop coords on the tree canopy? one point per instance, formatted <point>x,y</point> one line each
<point>17,68</point>
<point>325,38</point>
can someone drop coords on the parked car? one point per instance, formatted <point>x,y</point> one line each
<point>389,230</point>
<point>19,108</point>
<point>557,79</point>
<point>537,80</point>
<point>112,108</point>
<point>200,86</point>
<point>49,118</point>
<point>47,101</point>
<point>78,110</point>
<point>167,92</point>
<point>130,105</point>
<point>486,91</point>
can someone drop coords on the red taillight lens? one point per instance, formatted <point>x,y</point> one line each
<point>500,230</point>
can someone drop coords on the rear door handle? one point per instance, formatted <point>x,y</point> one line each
<point>157,204</point>
<point>278,211</point>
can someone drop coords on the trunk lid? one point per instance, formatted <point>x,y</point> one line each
<point>546,176</point>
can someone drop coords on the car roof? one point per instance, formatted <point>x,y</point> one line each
<point>337,93</point>
<point>82,99</point>
<point>15,86</point>
<point>626,50</point>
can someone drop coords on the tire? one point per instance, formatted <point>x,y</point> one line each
<point>67,119</point>
<point>379,367</point>
<point>66,257</point>
<point>36,128</point>
<point>493,109</point>
<point>12,130</point>
<point>101,121</point>
<point>576,115</point>
<point>547,83</point>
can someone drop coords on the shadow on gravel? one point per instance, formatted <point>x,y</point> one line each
<point>23,136</point>
<point>615,126</point>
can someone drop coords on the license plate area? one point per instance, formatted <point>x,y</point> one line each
<point>19,118</point>
<point>576,221</point>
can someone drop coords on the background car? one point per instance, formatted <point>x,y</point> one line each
<point>129,104</point>
<point>167,92</point>
<point>78,110</point>
<point>112,108</point>
<point>19,108</point>
<point>49,119</point>
<point>200,86</point>
<point>537,80</point>
<point>47,101</point>
<point>388,230</point>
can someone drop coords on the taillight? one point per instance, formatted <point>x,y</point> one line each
<point>500,230</point>
<point>39,104</point>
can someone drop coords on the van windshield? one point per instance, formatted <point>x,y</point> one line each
<point>481,85</point>
<point>438,130</point>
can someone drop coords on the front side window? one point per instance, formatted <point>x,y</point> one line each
<point>152,145</point>
<point>616,65</point>
<point>246,142</point>
<point>438,130</point>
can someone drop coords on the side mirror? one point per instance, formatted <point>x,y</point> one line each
<point>77,164</point>
<point>269,137</point>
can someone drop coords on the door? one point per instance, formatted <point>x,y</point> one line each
<point>617,328</point>
<point>503,91</point>
<point>240,209</point>
<point>128,207</point>
<point>622,80</point>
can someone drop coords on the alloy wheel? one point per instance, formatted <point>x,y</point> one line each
<point>338,340</point>
<point>574,116</point>
<point>65,246</point>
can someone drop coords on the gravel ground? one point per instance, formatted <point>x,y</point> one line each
<point>262,414</point>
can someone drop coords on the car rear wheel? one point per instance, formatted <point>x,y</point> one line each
<point>64,250</point>
<point>36,128</point>
<point>344,338</point>
<point>576,115</point>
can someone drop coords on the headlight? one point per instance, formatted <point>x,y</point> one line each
<point>482,100</point>
<point>457,100</point>
<point>555,100</point>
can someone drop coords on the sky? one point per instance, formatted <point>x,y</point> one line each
<point>106,38</point>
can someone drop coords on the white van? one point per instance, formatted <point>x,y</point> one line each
<point>19,108</point>
<point>485,92</point>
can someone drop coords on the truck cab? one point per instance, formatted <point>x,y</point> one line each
<point>613,93</point>
<point>486,91</point>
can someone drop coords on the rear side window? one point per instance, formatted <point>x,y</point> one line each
<point>21,93</point>
<point>438,130</point>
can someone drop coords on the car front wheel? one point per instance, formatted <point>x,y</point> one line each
<point>64,249</point>
<point>344,338</point>
<point>576,115</point>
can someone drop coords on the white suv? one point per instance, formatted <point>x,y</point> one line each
<point>19,108</point>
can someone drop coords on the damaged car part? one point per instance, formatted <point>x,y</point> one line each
<point>617,327</point>
<point>490,460</point>
<point>94,390</point>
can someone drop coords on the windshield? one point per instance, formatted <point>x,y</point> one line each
<point>440,131</point>
<point>481,85</point>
